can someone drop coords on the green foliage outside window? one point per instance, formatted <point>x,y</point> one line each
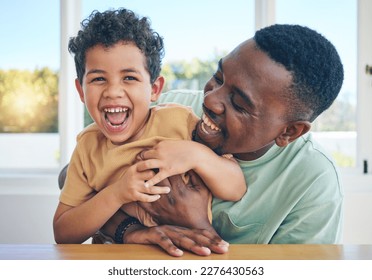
<point>28,101</point>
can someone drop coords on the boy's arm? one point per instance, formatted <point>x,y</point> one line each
<point>77,224</point>
<point>223,176</point>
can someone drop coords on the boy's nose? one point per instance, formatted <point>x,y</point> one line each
<point>114,91</point>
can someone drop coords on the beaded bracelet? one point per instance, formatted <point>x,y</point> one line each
<point>122,228</point>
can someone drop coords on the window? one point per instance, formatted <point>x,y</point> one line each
<point>191,30</point>
<point>28,85</point>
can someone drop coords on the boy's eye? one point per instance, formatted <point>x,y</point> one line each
<point>130,78</point>
<point>97,79</point>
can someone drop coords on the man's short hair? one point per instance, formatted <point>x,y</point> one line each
<point>313,61</point>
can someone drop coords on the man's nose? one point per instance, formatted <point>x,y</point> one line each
<point>214,101</point>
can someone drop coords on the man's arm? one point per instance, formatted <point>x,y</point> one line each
<point>185,205</point>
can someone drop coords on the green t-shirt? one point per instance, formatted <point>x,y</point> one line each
<point>294,193</point>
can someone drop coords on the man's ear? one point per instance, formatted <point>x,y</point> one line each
<point>292,132</point>
<point>80,90</point>
<point>157,88</point>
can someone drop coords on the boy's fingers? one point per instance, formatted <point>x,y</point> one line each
<point>149,197</point>
<point>156,179</point>
<point>159,190</point>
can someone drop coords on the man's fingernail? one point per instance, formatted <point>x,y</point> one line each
<point>178,252</point>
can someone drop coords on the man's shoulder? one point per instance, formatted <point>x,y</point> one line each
<point>315,160</point>
<point>179,93</point>
<point>190,98</point>
<point>311,147</point>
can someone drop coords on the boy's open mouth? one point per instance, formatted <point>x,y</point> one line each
<point>116,116</point>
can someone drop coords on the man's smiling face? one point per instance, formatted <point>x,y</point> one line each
<point>244,104</point>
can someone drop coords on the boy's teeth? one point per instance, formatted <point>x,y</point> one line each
<point>116,116</point>
<point>115,110</point>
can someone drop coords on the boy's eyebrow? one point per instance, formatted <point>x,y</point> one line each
<point>100,71</point>
<point>94,71</point>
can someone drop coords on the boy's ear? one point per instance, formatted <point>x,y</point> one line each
<point>80,90</point>
<point>157,88</point>
<point>292,132</point>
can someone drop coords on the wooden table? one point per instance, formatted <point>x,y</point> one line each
<point>147,252</point>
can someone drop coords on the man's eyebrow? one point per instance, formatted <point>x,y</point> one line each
<point>219,68</point>
<point>237,90</point>
<point>244,96</point>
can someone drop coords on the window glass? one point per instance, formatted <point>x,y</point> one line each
<point>337,21</point>
<point>196,33</point>
<point>29,64</point>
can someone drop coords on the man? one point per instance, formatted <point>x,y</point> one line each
<point>263,97</point>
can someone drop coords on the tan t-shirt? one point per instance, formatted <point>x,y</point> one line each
<point>96,162</point>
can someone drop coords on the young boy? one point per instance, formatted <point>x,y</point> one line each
<point>118,59</point>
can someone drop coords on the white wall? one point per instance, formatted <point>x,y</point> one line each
<point>27,206</point>
<point>358,207</point>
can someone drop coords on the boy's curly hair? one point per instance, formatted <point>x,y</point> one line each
<point>316,68</point>
<point>108,28</point>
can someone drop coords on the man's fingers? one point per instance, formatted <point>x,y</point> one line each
<point>178,237</point>
<point>167,245</point>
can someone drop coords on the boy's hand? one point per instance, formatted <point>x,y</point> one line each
<point>131,187</point>
<point>170,157</point>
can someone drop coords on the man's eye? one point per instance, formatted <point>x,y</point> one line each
<point>217,79</point>
<point>235,104</point>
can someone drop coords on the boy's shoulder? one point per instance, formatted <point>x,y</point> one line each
<point>92,130</point>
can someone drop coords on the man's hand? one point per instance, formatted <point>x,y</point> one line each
<point>185,205</point>
<point>172,238</point>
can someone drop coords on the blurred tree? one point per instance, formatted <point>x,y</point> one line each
<point>28,101</point>
<point>341,116</point>
<point>190,75</point>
